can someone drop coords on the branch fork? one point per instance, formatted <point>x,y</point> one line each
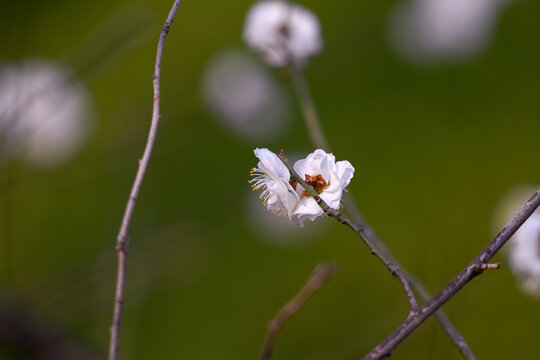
<point>394,269</point>
<point>419,314</point>
<point>476,267</point>
<point>494,266</point>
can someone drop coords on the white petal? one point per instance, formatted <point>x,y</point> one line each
<point>270,162</point>
<point>306,209</point>
<point>273,176</point>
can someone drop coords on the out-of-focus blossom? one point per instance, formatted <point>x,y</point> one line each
<point>443,30</point>
<point>244,97</point>
<point>523,249</point>
<point>524,254</point>
<point>283,195</point>
<point>283,32</point>
<point>273,177</point>
<point>44,113</point>
<point>328,178</point>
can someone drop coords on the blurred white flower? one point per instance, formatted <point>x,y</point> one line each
<point>320,170</point>
<point>242,94</point>
<point>282,32</point>
<point>43,113</point>
<point>443,30</point>
<point>523,249</point>
<point>524,254</point>
<point>273,177</point>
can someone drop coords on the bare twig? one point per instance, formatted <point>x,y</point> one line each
<point>476,267</point>
<point>321,274</point>
<point>490,266</point>
<point>444,322</point>
<point>318,140</point>
<point>122,240</point>
<point>421,291</point>
<point>393,268</point>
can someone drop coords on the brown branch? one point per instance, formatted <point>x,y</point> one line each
<point>393,268</point>
<point>321,274</point>
<point>318,139</point>
<point>421,291</point>
<point>444,322</point>
<point>122,240</point>
<point>476,267</point>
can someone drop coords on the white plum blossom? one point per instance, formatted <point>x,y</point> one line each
<point>283,195</point>
<point>273,177</point>
<point>282,32</point>
<point>328,177</point>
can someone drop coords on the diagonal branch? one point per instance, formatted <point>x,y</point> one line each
<point>316,135</point>
<point>476,267</point>
<point>122,240</point>
<point>421,291</point>
<point>393,268</point>
<point>321,274</point>
<point>446,325</point>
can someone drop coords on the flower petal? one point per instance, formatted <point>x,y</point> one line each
<point>270,162</point>
<point>306,209</point>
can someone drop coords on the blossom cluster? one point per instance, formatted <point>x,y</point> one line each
<point>284,196</point>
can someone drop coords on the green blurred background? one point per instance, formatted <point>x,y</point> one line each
<point>435,148</point>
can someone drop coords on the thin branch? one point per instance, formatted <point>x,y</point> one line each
<point>490,266</point>
<point>122,240</point>
<point>421,291</point>
<point>476,267</point>
<point>321,274</point>
<point>318,139</point>
<point>406,286</point>
<point>393,268</point>
<point>444,322</point>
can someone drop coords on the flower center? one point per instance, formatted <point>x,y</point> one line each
<point>284,30</point>
<point>316,181</point>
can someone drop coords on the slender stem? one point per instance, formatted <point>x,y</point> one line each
<point>393,268</point>
<point>444,322</point>
<point>476,267</point>
<point>321,274</point>
<point>318,140</point>
<point>449,329</point>
<point>316,133</point>
<point>122,240</point>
